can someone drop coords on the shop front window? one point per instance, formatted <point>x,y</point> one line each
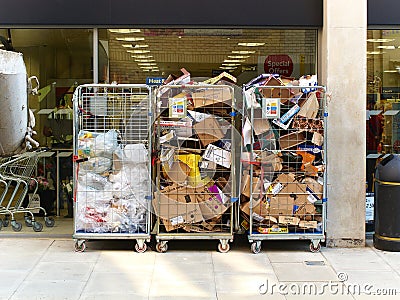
<point>134,55</point>
<point>383,91</point>
<point>61,59</point>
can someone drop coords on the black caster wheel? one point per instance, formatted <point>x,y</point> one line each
<point>28,222</point>
<point>16,226</point>
<point>49,221</point>
<point>255,247</point>
<point>37,227</point>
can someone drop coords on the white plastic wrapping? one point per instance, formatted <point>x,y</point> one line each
<point>114,203</point>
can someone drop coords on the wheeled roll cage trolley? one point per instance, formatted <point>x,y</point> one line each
<point>283,164</point>
<point>112,163</point>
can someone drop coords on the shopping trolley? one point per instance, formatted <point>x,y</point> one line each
<point>195,186</point>
<point>16,174</point>
<point>112,163</point>
<point>283,185</point>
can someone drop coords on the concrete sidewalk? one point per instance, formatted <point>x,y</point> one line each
<point>50,269</point>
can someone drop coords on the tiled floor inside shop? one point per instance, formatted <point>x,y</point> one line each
<point>63,227</point>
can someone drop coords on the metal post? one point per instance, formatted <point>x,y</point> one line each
<point>95,55</point>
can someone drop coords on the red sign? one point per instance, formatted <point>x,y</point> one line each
<point>280,64</point>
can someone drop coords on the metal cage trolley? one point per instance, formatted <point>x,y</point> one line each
<point>112,163</point>
<point>283,182</point>
<point>195,187</point>
<point>17,184</point>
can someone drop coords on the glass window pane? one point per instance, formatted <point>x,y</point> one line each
<point>135,54</point>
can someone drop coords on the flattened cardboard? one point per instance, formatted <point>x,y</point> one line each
<point>246,186</point>
<point>218,155</point>
<point>178,172</point>
<point>260,209</point>
<point>317,139</point>
<point>314,186</point>
<point>286,220</point>
<point>292,139</point>
<point>208,131</point>
<point>281,206</point>
<point>175,201</point>
<point>308,224</point>
<point>309,109</point>
<point>211,96</point>
<point>270,161</point>
<point>210,203</point>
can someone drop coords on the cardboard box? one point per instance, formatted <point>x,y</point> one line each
<point>208,131</point>
<point>178,205</point>
<point>292,139</point>
<point>218,155</point>
<point>212,96</point>
<point>286,220</point>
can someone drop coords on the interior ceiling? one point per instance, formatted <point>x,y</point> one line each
<point>198,50</point>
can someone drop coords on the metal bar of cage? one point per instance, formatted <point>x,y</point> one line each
<point>186,172</point>
<point>261,213</point>
<point>111,124</point>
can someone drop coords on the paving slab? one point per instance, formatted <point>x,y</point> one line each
<point>301,272</point>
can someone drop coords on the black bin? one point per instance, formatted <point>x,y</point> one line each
<point>387,204</point>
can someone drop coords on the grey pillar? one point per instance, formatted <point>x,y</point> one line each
<point>342,68</point>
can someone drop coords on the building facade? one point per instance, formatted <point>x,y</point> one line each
<point>66,43</point>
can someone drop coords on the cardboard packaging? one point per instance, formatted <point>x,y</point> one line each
<point>292,139</point>
<point>178,172</point>
<point>246,186</point>
<point>281,206</point>
<point>178,205</point>
<point>211,202</point>
<point>215,96</point>
<point>260,210</point>
<point>308,224</point>
<point>313,125</point>
<point>208,131</point>
<point>313,187</point>
<point>219,156</point>
<point>271,162</point>
<point>223,75</point>
<point>260,124</point>
<point>286,220</point>
<point>309,109</point>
